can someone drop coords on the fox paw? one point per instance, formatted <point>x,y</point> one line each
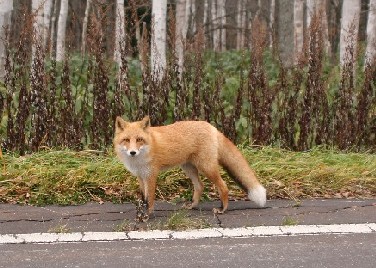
<point>189,206</point>
<point>218,211</point>
<point>141,211</point>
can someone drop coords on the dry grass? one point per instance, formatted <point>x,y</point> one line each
<point>68,177</point>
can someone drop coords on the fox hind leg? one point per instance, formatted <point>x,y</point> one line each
<point>212,173</point>
<point>192,172</point>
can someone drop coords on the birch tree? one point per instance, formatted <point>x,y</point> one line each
<point>285,31</point>
<point>38,24</point>
<point>47,9</point>
<point>318,8</point>
<point>6,7</point>
<point>206,10</point>
<point>181,32</point>
<point>221,14</point>
<point>38,107</point>
<point>272,21</point>
<point>371,32</point>
<point>298,28</point>
<point>84,26</point>
<point>119,31</point>
<point>240,24</point>
<point>61,28</point>
<point>190,16</point>
<point>52,47</point>
<point>311,8</point>
<point>215,27</point>
<point>158,38</point>
<point>349,26</point>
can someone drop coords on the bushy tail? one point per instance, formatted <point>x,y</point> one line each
<point>232,160</point>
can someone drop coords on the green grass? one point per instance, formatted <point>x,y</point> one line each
<point>180,220</point>
<point>289,221</point>
<point>67,177</point>
<point>60,229</point>
<point>177,221</point>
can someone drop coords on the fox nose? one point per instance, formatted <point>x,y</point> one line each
<point>133,153</point>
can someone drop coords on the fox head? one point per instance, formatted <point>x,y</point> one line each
<point>131,138</point>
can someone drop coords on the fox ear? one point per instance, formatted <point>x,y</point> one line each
<point>145,123</point>
<point>120,124</point>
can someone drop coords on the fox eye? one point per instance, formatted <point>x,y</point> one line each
<point>139,139</point>
<point>126,140</point>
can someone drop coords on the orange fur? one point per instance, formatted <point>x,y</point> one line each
<point>196,146</point>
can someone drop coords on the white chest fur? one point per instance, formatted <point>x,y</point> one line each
<point>138,165</point>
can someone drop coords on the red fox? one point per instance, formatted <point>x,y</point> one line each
<point>195,146</point>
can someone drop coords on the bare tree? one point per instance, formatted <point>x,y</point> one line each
<point>61,29</point>
<point>47,9</point>
<point>6,7</point>
<point>285,31</point>
<point>221,14</point>
<point>349,26</point>
<point>240,24</point>
<point>38,24</point>
<point>215,30</point>
<point>84,26</point>
<point>190,16</point>
<point>318,8</point>
<point>298,28</point>
<point>371,32</point>
<point>158,38</point>
<point>119,31</point>
<point>52,47</point>
<point>271,21</point>
<point>181,32</point>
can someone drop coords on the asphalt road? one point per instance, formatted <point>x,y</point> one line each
<point>330,250</point>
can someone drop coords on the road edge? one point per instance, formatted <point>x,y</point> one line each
<point>259,231</point>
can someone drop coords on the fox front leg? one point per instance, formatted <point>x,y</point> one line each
<point>150,187</point>
<point>142,205</point>
<point>146,205</point>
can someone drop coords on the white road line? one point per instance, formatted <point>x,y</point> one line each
<point>260,231</point>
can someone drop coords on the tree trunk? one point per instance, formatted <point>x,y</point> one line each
<point>311,8</point>
<point>190,16</point>
<point>61,29</point>
<point>241,21</point>
<point>239,8</point>
<point>181,32</point>
<point>371,32</point>
<point>48,6</point>
<point>319,8</point>
<point>215,26</point>
<point>38,24</point>
<point>119,31</point>
<point>221,14</point>
<point>6,8</point>
<point>206,10</point>
<point>158,38</point>
<point>272,22</point>
<point>298,28</point>
<point>53,30</point>
<point>349,26</point>
<point>194,19</point>
<point>285,31</point>
<point>84,26</point>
